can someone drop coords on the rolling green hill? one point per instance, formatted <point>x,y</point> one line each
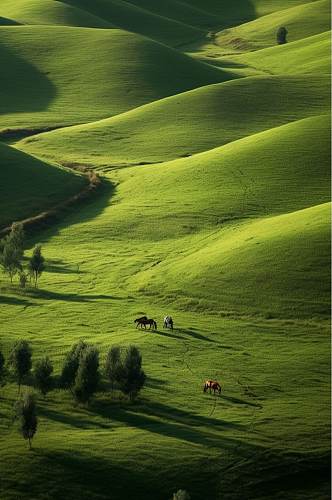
<point>310,55</point>
<point>128,16</point>
<point>214,209</point>
<point>255,176</point>
<point>29,186</point>
<point>49,12</point>
<point>202,119</point>
<point>43,89</point>
<point>301,21</point>
<point>216,276</point>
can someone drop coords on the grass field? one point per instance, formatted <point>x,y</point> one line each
<point>214,208</point>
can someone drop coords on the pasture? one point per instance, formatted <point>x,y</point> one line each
<point>214,208</point>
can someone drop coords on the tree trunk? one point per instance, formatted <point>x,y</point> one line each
<point>29,444</point>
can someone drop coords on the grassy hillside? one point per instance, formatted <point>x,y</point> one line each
<point>130,17</point>
<point>29,186</point>
<point>311,55</point>
<point>201,119</point>
<point>49,12</point>
<point>180,11</point>
<point>228,231</point>
<point>301,21</point>
<point>216,276</point>
<point>255,176</point>
<point>44,89</point>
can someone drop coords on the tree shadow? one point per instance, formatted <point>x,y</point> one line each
<point>155,382</point>
<point>170,422</point>
<point>58,266</point>
<point>69,297</point>
<point>15,301</point>
<point>73,420</point>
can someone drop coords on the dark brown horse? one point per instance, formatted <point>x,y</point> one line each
<point>145,321</point>
<point>212,385</point>
<point>139,321</point>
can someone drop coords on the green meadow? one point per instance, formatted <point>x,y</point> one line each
<point>212,143</point>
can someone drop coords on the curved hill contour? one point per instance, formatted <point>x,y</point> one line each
<point>29,186</point>
<point>301,21</point>
<point>48,81</point>
<point>49,12</point>
<point>202,119</point>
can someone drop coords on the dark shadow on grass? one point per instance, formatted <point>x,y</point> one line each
<point>195,335</point>
<point>58,266</point>
<point>69,297</point>
<point>171,422</point>
<point>82,211</point>
<point>166,333</point>
<point>15,301</point>
<point>238,401</point>
<point>154,382</point>
<point>73,420</point>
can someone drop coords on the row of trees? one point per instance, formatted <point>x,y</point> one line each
<point>80,371</point>
<point>12,258</point>
<point>80,374</point>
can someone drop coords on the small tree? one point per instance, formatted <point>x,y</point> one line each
<point>2,370</point>
<point>181,495</point>
<point>132,377</point>
<point>113,366</point>
<point>43,375</point>
<point>11,250</point>
<point>23,277</point>
<point>36,264</point>
<point>10,259</point>
<point>28,418</point>
<point>70,366</point>
<point>87,377</point>
<point>20,360</point>
<point>17,237</point>
<point>282,35</point>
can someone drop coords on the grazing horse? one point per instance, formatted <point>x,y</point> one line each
<point>145,321</point>
<point>138,321</point>
<point>168,322</point>
<point>212,385</point>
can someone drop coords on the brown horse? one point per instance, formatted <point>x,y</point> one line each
<point>145,321</point>
<point>212,385</point>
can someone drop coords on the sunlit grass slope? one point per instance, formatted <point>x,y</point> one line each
<point>187,123</point>
<point>130,17</point>
<point>49,12</point>
<point>310,55</point>
<point>49,81</point>
<point>279,170</point>
<point>286,258</point>
<point>301,21</point>
<point>29,186</point>
<point>234,13</point>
